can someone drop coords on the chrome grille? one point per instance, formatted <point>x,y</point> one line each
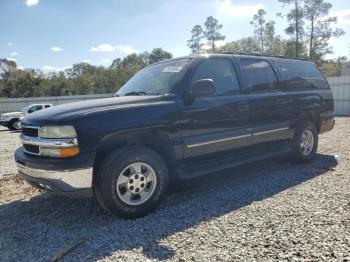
<point>31,149</point>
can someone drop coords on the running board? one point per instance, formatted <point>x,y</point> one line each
<point>207,167</point>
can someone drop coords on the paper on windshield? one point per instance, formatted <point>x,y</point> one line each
<point>172,69</point>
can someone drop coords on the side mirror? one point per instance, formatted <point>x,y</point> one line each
<point>203,87</point>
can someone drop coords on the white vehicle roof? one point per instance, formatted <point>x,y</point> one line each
<point>31,105</point>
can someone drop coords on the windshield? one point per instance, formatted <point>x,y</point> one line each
<point>155,80</point>
<point>25,108</point>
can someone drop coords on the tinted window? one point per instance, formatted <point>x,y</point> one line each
<point>260,75</point>
<point>221,72</point>
<point>301,74</point>
<point>46,106</point>
<point>35,108</point>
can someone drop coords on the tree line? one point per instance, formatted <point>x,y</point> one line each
<point>309,30</point>
<point>80,79</point>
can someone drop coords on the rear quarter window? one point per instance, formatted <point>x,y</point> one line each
<point>300,74</point>
<point>259,75</point>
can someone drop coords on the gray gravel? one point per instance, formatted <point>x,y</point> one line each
<point>268,211</point>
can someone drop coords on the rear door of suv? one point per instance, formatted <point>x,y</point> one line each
<point>268,104</point>
<point>307,89</point>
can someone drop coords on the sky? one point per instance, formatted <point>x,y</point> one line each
<point>53,35</point>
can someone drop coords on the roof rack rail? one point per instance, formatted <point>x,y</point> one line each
<point>263,55</point>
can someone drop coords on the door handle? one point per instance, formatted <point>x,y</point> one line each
<point>243,106</point>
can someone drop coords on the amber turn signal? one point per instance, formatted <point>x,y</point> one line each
<point>69,152</point>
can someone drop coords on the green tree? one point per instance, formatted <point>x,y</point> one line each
<point>320,28</point>
<point>136,60</point>
<point>158,54</point>
<point>270,37</point>
<point>195,43</point>
<point>212,32</point>
<point>7,73</point>
<point>332,67</point>
<point>259,28</point>
<point>116,63</point>
<point>296,24</point>
<point>246,45</point>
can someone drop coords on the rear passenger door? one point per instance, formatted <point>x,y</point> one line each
<point>267,102</point>
<point>220,122</point>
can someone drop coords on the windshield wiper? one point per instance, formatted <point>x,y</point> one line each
<point>135,93</point>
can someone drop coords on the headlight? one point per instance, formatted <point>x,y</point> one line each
<point>57,132</point>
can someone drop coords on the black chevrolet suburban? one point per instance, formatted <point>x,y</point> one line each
<point>176,119</point>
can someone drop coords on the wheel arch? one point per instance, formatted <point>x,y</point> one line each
<point>310,115</point>
<point>154,139</point>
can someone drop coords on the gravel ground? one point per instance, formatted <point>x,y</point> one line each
<point>268,211</point>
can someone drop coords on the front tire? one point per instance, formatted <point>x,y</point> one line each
<point>131,182</point>
<point>305,142</point>
<point>15,124</point>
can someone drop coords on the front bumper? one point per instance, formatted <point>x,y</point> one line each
<point>70,177</point>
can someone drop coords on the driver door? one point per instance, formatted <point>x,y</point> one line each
<point>35,108</point>
<point>220,122</point>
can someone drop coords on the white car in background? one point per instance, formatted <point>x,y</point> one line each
<point>12,120</point>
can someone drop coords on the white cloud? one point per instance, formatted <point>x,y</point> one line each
<point>105,61</point>
<point>14,54</point>
<point>218,43</point>
<point>11,59</point>
<point>86,61</point>
<point>343,16</point>
<point>229,9</point>
<point>125,49</point>
<point>10,43</point>
<point>32,2</point>
<point>103,48</point>
<point>56,49</point>
<point>49,68</point>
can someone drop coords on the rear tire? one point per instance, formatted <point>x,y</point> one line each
<point>305,142</point>
<point>131,182</point>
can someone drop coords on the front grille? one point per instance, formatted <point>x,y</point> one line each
<point>29,131</point>
<point>31,149</point>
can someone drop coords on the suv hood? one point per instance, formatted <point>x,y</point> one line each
<point>74,110</point>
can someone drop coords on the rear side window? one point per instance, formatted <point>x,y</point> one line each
<point>259,74</point>
<point>221,72</point>
<point>300,74</point>
<point>46,106</point>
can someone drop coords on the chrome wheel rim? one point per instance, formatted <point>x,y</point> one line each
<point>17,124</point>
<point>307,142</point>
<point>136,183</point>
